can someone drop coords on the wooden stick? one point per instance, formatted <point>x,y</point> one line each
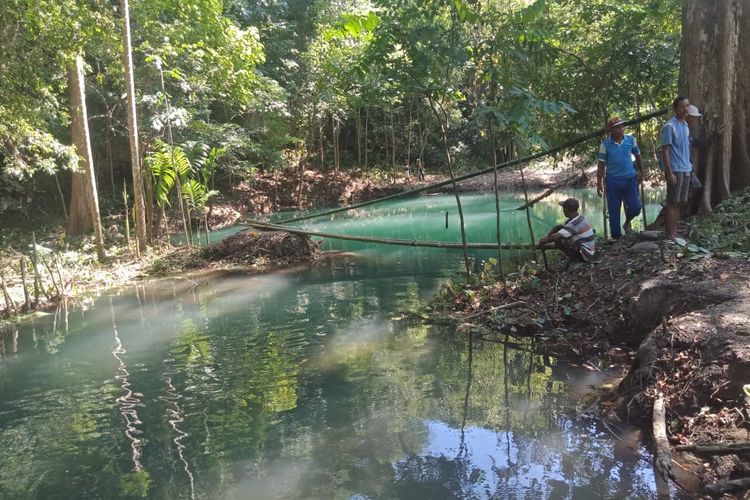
<point>35,265</point>
<point>663,458</point>
<point>497,203</point>
<point>548,192</point>
<point>528,219</point>
<point>10,305</point>
<point>716,448</point>
<point>52,276</point>
<point>59,275</point>
<point>27,302</point>
<point>386,241</point>
<point>511,305</point>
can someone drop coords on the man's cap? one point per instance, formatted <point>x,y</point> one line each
<point>570,203</point>
<point>693,110</point>
<point>614,122</point>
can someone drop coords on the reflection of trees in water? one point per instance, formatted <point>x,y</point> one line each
<point>242,404</point>
<point>436,477</point>
<point>128,401</point>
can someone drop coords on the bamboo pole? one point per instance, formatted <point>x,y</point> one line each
<point>37,275</point>
<point>470,175</point>
<point>604,212</point>
<point>10,305</point>
<point>27,302</point>
<point>444,128</point>
<point>127,216</point>
<point>497,204</point>
<point>52,277</point>
<point>185,218</point>
<point>643,165</point>
<point>528,219</point>
<point>387,241</point>
<point>59,275</point>
<point>548,192</point>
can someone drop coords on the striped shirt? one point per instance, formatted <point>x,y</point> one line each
<point>578,229</point>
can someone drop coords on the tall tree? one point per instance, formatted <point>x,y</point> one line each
<point>715,75</point>
<point>84,203</point>
<point>138,198</point>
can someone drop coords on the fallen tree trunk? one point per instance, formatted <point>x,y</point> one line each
<point>716,448</point>
<point>663,458</point>
<point>732,486</point>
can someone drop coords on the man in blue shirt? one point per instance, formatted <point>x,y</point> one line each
<point>675,156</point>
<point>616,155</point>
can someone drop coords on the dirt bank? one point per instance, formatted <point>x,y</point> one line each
<point>248,251</point>
<point>292,189</point>
<point>671,319</point>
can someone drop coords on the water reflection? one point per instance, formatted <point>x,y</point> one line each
<point>295,385</point>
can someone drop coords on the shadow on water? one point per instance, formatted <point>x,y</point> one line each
<point>301,384</point>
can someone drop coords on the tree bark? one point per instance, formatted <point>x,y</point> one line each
<point>367,123</point>
<point>359,138</point>
<point>714,73</point>
<point>139,205</point>
<point>84,200</point>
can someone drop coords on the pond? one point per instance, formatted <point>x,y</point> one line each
<point>305,383</point>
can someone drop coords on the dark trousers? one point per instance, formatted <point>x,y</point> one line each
<point>571,250</point>
<point>621,190</point>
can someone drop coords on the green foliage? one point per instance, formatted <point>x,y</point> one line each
<point>267,81</point>
<point>727,229</point>
<point>167,163</point>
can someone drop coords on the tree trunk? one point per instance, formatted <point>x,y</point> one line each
<point>84,201</point>
<point>359,138</point>
<point>367,123</point>
<point>408,137</point>
<point>393,139</point>
<point>714,73</point>
<point>139,205</point>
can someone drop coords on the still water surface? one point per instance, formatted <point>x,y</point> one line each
<point>303,384</point>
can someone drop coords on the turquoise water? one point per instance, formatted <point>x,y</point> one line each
<point>302,384</point>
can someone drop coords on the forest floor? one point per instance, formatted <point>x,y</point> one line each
<point>667,319</point>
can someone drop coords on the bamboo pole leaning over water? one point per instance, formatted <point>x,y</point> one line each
<point>548,192</point>
<point>388,241</point>
<point>497,204</point>
<point>528,220</point>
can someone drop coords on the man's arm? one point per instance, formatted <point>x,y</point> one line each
<point>600,177</point>
<point>550,238</point>
<point>668,174</point>
<point>554,234</point>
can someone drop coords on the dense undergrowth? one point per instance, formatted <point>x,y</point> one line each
<point>727,229</point>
